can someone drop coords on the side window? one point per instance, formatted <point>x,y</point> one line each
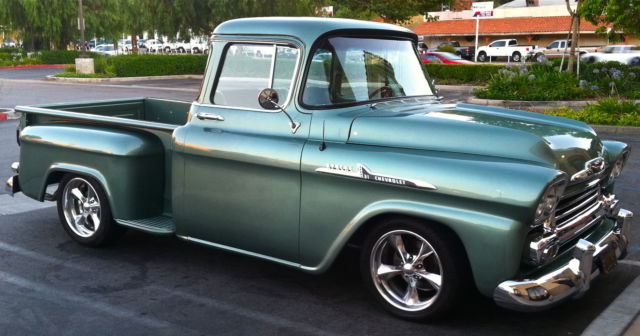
<point>250,68</point>
<point>553,45</point>
<point>513,42</point>
<point>319,78</point>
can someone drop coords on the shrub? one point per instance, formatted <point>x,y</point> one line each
<point>154,65</point>
<point>605,112</point>
<point>462,73</point>
<point>545,82</point>
<point>80,75</point>
<point>62,56</point>
<point>70,68</point>
<point>447,48</point>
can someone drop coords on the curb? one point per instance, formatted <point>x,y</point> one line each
<point>627,130</point>
<point>535,105</point>
<point>619,316</point>
<point>34,66</point>
<point>119,79</point>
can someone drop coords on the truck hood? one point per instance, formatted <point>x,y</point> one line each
<point>556,142</point>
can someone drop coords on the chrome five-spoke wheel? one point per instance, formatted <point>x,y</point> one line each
<point>406,270</point>
<point>84,211</point>
<point>415,269</point>
<point>81,207</point>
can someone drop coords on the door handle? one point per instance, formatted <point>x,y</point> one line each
<point>209,116</point>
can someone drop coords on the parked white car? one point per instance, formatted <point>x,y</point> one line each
<point>504,48</point>
<point>199,45</point>
<point>626,54</point>
<point>153,45</point>
<point>106,50</point>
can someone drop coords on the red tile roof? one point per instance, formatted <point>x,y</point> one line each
<point>503,26</point>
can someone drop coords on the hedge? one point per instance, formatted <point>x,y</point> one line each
<point>462,73</point>
<point>152,65</point>
<point>61,56</point>
<point>605,112</point>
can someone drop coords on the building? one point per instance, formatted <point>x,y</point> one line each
<point>536,22</point>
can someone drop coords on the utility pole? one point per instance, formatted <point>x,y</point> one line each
<point>81,27</point>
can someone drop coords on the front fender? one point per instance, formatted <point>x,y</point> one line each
<point>489,241</point>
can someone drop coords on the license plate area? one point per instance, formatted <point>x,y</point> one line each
<point>608,259</point>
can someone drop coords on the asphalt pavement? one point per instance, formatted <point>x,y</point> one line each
<point>145,284</point>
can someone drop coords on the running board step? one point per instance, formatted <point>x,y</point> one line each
<point>161,225</point>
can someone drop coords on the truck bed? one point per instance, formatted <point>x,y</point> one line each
<point>138,112</point>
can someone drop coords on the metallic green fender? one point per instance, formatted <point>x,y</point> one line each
<point>128,164</point>
<point>468,225</point>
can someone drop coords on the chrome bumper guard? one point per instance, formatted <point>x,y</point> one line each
<point>13,184</point>
<point>573,279</point>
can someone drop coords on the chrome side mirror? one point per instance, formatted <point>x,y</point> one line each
<point>268,99</point>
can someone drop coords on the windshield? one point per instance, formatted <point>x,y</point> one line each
<point>347,70</point>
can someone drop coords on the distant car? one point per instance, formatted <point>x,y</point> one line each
<point>153,45</point>
<point>8,43</point>
<point>505,48</point>
<point>443,57</point>
<point>556,49</point>
<point>106,50</point>
<point>625,54</point>
<point>466,52</point>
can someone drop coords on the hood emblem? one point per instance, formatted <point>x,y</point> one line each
<point>591,167</point>
<point>362,172</point>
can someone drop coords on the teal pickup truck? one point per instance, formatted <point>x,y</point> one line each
<point>311,135</point>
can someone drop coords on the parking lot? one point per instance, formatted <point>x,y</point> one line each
<point>148,284</point>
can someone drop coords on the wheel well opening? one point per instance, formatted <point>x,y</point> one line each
<point>357,239</point>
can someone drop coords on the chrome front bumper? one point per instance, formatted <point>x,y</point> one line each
<point>573,279</point>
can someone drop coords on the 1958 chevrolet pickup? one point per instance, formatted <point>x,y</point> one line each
<point>335,136</point>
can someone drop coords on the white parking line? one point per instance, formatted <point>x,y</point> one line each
<point>41,257</point>
<point>630,262</point>
<point>20,203</point>
<point>240,310</point>
<point>60,296</point>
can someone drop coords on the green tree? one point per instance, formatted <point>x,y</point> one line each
<point>623,16</point>
<point>397,11</point>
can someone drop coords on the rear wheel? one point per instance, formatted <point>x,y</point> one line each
<point>414,270</point>
<point>84,211</point>
<point>635,61</point>
<point>516,57</point>
<point>167,50</point>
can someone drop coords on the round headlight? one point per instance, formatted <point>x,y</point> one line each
<point>618,166</point>
<point>545,212</point>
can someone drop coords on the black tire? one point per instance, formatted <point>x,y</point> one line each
<point>108,230</point>
<point>167,50</point>
<point>453,268</point>
<point>482,57</point>
<point>181,50</point>
<point>196,50</point>
<point>516,57</point>
<point>635,61</point>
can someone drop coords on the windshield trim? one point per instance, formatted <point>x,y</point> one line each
<point>356,34</point>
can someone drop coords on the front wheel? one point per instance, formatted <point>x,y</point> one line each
<point>414,270</point>
<point>84,211</point>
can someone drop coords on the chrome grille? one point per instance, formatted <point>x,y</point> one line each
<point>578,212</point>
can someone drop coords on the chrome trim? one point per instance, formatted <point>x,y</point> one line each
<point>569,281</point>
<point>591,167</point>
<point>12,186</point>
<point>209,116</point>
<point>15,167</point>
<point>362,172</point>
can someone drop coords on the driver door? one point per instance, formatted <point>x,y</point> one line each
<point>241,162</point>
